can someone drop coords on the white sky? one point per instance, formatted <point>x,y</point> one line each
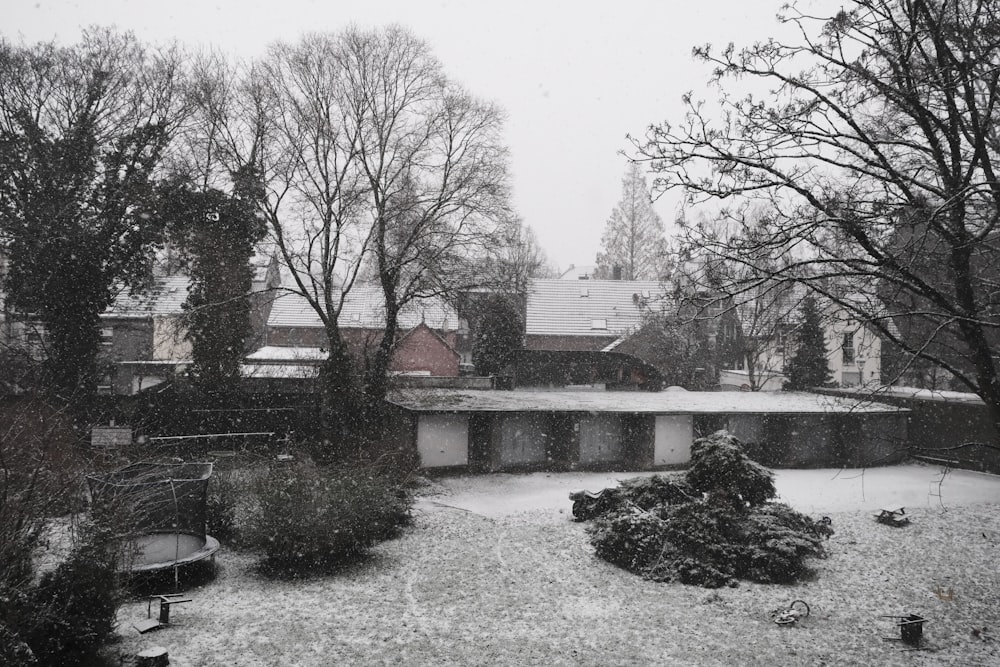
<point>574,77</point>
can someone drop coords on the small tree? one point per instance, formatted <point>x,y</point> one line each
<point>497,330</point>
<point>808,367</point>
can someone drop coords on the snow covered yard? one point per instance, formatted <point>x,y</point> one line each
<point>494,572</point>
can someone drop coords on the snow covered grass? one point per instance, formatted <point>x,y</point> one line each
<point>514,581</point>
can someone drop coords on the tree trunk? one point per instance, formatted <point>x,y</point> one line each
<point>377,372</point>
<point>339,408</point>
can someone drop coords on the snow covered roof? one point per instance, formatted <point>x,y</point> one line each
<point>364,308</point>
<point>282,353</point>
<point>164,297</point>
<point>665,402</point>
<point>914,392</point>
<point>587,307</point>
<point>279,371</point>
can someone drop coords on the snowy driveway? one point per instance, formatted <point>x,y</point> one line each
<point>812,491</point>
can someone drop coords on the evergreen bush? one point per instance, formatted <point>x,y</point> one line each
<point>69,614</point>
<point>220,506</point>
<point>719,467</point>
<point>303,518</point>
<point>712,528</point>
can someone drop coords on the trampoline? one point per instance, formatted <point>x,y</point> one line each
<point>164,505</point>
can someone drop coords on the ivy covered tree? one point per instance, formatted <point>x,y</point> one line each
<point>217,233</point>
<point>83,130</point>
<point>808,367</point>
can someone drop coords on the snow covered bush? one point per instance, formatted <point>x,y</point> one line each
<point>712,528</point>
<point>68,615</point>
<point>720,467</point>
<point>303,518</point>
<point>220,506</point>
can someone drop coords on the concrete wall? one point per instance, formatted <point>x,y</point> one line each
<point>822,440</point>
<point>498,441</point>
<point>943,429</point>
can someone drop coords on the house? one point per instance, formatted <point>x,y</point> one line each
<point>769,322</point>
<point>585,314</point>
<point>144,338</point>
<point>530,429</point>
<point>429,330</point>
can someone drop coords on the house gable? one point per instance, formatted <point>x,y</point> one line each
<point>422,350</point>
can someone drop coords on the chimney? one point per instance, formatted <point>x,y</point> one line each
<point>616,272</point>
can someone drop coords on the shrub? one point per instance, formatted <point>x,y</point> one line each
<point>304,518</point>
<point>220,506</point>
<point>778,540</point>
<point>629,538</point>
<point>666,530</point>
<point>720,467</point>
<point>648,492</point>
<point>70,613</point>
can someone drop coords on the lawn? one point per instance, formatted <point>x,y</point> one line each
<point>495,572</point>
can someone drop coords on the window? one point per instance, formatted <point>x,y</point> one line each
<point>598,324</point>
<point>107,335</point>
<point>104,385</point>
<point>847,348</point>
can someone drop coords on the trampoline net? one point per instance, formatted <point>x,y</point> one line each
<point>155,497</point>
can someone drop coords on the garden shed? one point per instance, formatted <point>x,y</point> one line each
<point>636,430</point>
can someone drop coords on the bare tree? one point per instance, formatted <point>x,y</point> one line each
<point>375,166</point>
<point>435,177</point>
<point>878,152</point>
<point>747,292</point>
<point>633,246</point>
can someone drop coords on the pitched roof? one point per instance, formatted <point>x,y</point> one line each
<point>165,296</point>
<point>587,307</point>
<point>364,308</point>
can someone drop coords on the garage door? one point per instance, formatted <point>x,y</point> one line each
<point>443,440</point>
<point>672,440</point>
<point>522,439</point>
<point>601,439</point>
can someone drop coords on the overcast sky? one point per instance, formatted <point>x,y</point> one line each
<point>574,77</point>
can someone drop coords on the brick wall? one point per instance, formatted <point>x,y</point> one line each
<point>423,350</point>
<point>438,357</point>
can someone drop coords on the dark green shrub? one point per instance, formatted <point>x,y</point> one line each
<point>629,538</point>
<point>303,518</point>
<point>220,506</point>
<point>667,530</point>
<point>640,492</point>
<point>778,541</point>
<point>720,467</point>
<point>649,492</point>
<point>70,614</point>
<point>14,651</point>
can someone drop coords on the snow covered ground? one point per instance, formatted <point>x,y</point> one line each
<point>811,491</point>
